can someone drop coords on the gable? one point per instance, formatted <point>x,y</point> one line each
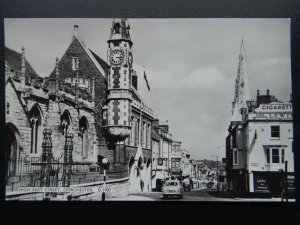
<point>14,60</point>
<point>88,65</point>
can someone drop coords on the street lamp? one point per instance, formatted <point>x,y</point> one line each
<point>104,162</point>
<point>217,172</point>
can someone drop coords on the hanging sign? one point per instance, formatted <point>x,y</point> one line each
<point>160,161</point>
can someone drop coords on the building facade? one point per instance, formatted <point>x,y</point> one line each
<point>87,109</point>
<point>161,154</point>
<point>259,143</point>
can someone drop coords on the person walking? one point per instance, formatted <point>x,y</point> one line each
<point>142,185</point>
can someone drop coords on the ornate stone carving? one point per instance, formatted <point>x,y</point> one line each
<point>116,133</point>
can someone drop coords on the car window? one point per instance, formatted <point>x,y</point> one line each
<point>171,184</point>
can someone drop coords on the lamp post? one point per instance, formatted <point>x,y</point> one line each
<point>217,171</point>
<point>104,162</point>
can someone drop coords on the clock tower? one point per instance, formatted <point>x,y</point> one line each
<point>119,54</point>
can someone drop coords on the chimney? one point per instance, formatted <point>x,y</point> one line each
<point>268,92</point>
<point>134,80</point>
<point>76,30</point>
<point>258,93</point>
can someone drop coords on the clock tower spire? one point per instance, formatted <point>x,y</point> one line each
<point>119,98</point>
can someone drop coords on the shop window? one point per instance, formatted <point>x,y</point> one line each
<point>275,131</point>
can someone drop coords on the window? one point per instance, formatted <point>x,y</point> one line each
<point>275,155</point>
<point>7,108</point>
<point>235,157</point>
<point>275,131</point>
<point>75,63</point>
<point>282,156</point>
<point>268,155</point>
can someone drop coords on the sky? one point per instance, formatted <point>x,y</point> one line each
<point>191,65</point>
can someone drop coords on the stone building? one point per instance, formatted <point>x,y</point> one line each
<point>161,154</point>
<point>259,142</point>
<point>92,109</point>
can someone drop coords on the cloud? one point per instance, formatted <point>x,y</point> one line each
<point>195,105</point>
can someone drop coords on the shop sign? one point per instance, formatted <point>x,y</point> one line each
<point>290,183</point>
<point>260,183</point>
<point>278,111</point>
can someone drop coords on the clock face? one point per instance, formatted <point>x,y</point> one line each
<point>130,59</point>
<point>116,57</point>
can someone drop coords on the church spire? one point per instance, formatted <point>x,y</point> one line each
<point>242,90</point>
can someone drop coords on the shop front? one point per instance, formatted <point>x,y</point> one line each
<point>273,182</point>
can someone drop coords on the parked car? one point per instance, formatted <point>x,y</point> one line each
<point>172,188</point>
<point>186,184</point>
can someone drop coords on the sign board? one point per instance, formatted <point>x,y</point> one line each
<point>260,183</point>
<point>290,183</point>
<point>282,111</point>
<point>64,189</point>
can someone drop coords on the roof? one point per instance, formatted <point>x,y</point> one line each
<point>102,63</point>
<point>92,57</point>
<point>14,59</point>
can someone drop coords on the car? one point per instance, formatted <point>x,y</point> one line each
<point>172,188</point>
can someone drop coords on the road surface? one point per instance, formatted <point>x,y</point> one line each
<point>194,195</point>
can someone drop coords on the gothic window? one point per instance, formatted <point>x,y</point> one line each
<point>75,63</point>
<point>132,131</point>
<point>65,122</point>
<point>83,129</point>
<point>35,120</point>
<point>137,133</point>
<point>11,153</point>
<point>143,134</point>
<point>149,136</point>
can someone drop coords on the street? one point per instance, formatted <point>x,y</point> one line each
<point>194,195</point>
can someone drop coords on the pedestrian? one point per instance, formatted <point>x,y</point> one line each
<point>142,185</point>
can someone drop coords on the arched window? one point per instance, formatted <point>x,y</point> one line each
<point>83,129</point>
<point>35,115</point>
<point>65,122</point>
<point>12,143</point>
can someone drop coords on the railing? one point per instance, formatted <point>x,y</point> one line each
<point>28,173</point>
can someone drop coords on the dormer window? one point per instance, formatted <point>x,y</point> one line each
<point>75,63</point>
